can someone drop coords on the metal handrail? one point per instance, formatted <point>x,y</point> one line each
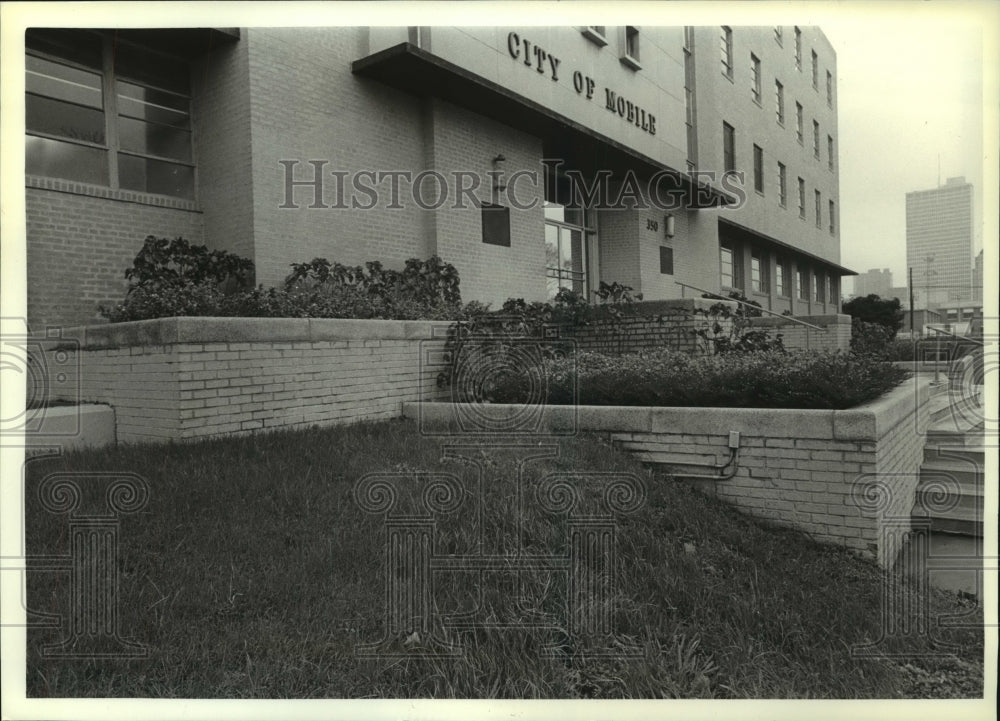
<point>763,310</point>
<point>954,335</point>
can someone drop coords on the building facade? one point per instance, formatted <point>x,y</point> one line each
<point>939,244</point>
<point>874,281</point>
<point>531,158</point>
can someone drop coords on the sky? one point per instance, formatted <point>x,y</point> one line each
<point>909,100</point>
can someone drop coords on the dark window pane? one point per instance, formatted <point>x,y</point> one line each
<point>496,225</point>
<point>56,80</point>
<point>77,45</point>
<point>150,68</point>
<point>151,104</point>
<point>56,159</point>
<point>155,176</point>
<point>154,139</point>
<point>53,117</point>
<point>666,260</point>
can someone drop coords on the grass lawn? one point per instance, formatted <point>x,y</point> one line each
<point>252,572</point>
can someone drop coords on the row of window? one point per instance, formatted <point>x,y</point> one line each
<point>628,41</point>
<point>726,49</point>
<point>779,103</point>
<point>729,164</point>
<point>812,284</point>
<point>102,111</point>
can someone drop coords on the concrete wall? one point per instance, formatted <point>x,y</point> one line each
<point>844,477</point>
<point>182,378</point>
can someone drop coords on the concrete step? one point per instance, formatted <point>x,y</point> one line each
<point>957,521</point>
<point>955,454</point>
<point>934,497</point>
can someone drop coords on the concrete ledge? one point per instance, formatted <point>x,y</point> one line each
<point>170,331</point>
<point>74,427</point>
<point>866,423</point>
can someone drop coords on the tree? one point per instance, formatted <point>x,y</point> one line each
<point>875,309</point>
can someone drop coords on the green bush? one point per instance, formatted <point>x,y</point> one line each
<point>872,339</point>
<point>772,379</point>
<point>174,278</point>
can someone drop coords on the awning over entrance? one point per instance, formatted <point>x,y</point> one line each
<point>744,234</point>
<point>409,68</point>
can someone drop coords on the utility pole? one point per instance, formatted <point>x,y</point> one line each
<point>911,302</point>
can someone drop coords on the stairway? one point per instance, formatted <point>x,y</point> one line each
<point>950,493</point>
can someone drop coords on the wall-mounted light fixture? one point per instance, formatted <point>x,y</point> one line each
<point>668,225</point>
<point>497,177</point>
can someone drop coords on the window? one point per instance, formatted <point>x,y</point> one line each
<point>798,122</point>
<point>816,139</point>
<point>829,151</point>
<point>780,274</point>
<point>779,102</point>
<point>666,260</point>
<point>630,47</point>
<point>726,46</point>
<point>815,70</point>
<point>779,35</point>
<point>801,284</point>
<point>755,78</point>
<point>596,35</point>
<point>729,266</point>
<point>758,272</point>
<point>758,169</point>
<point>782,186</point>
<point>832,285</point>
<point>829,88</point>
<point>833,226</point>
<point>570,237</point>
<point>798,48</point>
<point>728,147</point>
<point>819,208</point>
<point>819,282</point>
<point>802,198</point>
<point>135,137</point>
<point>496,224</point>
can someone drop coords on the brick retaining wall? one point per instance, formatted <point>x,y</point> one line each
<point>845,477</point>
<point>650,325</point>
<point>181,378</point>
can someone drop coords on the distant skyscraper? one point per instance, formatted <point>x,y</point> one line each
<point>939,243</point>
<point>877,281</point>
<point>977,278</point>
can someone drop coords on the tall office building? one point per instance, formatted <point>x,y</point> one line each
<point>939,243</point>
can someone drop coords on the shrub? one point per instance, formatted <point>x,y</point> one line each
<point>870,339</point>
<point>174,278</point>
<point>731,331</point>
<point>770,379</point>
<point>875,309</point>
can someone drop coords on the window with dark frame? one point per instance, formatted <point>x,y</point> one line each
<point>728,147</point>
<point>758,169</point>
<point>829,151</point>
<point>816,139</point>
<point>829,88</point>
<point>782,185</point>
<point>819,208</point>
<point>802,284</point>
<point>779,101</point>
<point>103,111</point>
<point>726,47</point>
<point>758,272</point>
<point>780,274</point>
<point>666,260</point>
<point>496,224</point>
<point>815,70</point>
<point>798,48</point>
<point>755,78</point>
<point>833,224</point>
<point>798,121</point>
<point>802,198</point>
<point>779,35</point>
